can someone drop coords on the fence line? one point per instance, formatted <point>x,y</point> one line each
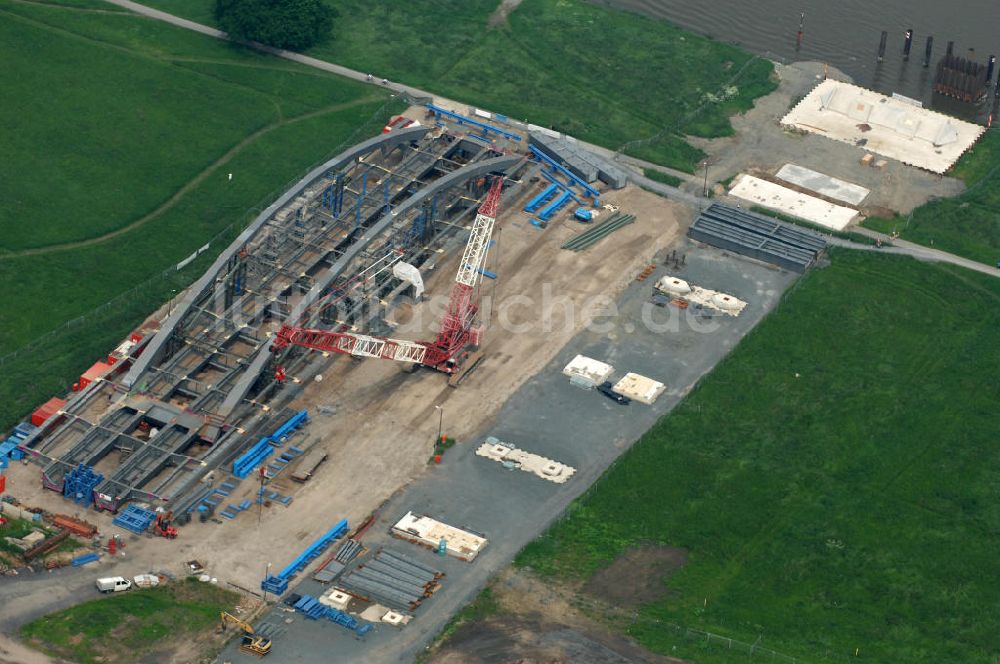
<point>729,643</point>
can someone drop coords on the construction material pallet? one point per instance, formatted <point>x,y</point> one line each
<point>278,583</point>
<point>314,610</point>
<point>135,519</point>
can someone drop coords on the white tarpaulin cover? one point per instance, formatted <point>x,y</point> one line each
<point>409,274</point>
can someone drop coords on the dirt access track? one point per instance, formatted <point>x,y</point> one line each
<point>531,620</point>
<point>381,435</point>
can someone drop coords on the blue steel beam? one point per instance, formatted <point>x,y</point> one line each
<point>361,199</point>
<point>338,195</point>
<point>562,169</point>
<point>565,187</point>
<point>462,120</point>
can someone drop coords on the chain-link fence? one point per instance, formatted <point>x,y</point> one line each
<point>690,640</point>
<point>691,637</point>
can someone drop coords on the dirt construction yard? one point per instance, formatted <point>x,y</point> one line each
<point>383,423</point>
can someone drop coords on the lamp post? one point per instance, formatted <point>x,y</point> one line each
<point>267,573</point>
<point>440,410</point>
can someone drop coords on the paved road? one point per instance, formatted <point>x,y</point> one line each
<point>918,251</point>
<point>899,246</point>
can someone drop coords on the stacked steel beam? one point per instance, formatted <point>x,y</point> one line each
<point>593,235</point>
<point>394,580</point>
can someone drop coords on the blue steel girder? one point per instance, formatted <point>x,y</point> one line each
<point>556,166</point>
<point>482,126</point>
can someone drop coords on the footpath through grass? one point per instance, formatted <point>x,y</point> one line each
<point>125,627</point>
<point>128,173</point>
<point>835,479</point>
<point>967,225</point>
<point>603,75</point>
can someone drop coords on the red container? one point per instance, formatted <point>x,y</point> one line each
<point>47,410</point>
<point>97,370</point>
<point>437,458</point>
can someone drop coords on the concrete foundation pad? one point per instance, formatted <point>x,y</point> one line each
<point>639,388</point>
<point>827,185</point>
<point>889,127</point>
<point>336,599</point>
<point>506,453</point>
<point>374,613</point>
<point>789,201</point>
<point>429,532</point>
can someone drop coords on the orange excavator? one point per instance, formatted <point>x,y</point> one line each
<point>162,525</point>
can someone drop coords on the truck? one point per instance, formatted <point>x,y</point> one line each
<point>607,389</point>
<point>113,584</point>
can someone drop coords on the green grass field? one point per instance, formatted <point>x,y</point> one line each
<point>127,131</point>
<point>967,225</point>
<point>127,626</point>
<point>835,479</point>
<point>665,178</point>
<point>603,75</point>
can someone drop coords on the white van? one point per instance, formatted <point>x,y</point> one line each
<point>113,584</point>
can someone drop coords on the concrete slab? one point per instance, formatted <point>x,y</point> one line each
<point>429,532</point>
<point>890,127</point>
<point>792,202</point>
<point>827,185</point>
<point>639,388</point>
<point>540,466</point>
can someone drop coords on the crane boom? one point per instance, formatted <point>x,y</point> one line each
<point>349,343</point>
<point>474,256</point>
<point>456,326</point>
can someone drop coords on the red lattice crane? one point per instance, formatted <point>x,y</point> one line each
<point>457,329</point>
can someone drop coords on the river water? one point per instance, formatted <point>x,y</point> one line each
<point>843,33</point>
